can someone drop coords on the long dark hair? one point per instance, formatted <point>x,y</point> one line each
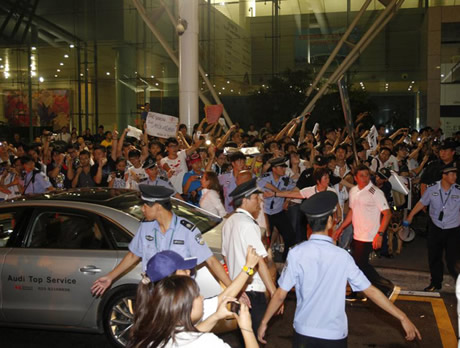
<point>162,311</point>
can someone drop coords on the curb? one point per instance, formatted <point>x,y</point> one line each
<point>414,280</point>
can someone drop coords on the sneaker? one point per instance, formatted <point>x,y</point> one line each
<point>432,288</point>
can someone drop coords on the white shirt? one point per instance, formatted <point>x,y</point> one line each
<point>209,307</point>
<point>238,232</point>
<point>367,205</point>
<point>196,340</point>
<point>211,202</point>
<point>307,192</point>
<point>140,173</point>
<point>179,168</point>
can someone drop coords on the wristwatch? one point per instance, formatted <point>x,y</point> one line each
<point>249,270</point>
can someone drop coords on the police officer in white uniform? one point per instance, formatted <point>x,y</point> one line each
<point>319,271</point>
<point>443,197</point>
<point>162,230</point>
<point>238,233</point>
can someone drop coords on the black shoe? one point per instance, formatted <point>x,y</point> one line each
<point>432,288</point>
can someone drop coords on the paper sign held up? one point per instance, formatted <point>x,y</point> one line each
<point>162,126</point>
<point>134,132</point>
<point>213,112</point>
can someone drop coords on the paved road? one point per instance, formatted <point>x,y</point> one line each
<point>368,327</point>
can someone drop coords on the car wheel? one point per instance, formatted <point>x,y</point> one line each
<point>118,317</point>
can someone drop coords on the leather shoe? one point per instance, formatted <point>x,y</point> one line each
<point>432,288</point>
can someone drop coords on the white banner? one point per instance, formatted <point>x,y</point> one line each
<point>162,126</point>
<point>372,138</point>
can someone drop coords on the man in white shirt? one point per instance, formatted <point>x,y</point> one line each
<point>239,232</point>
<point>175,163</point>
<point>367,205</point>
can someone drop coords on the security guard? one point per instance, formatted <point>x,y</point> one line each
<point>155,179</point>
<point>443,197</point>
<point>278,181</point>
<point>238,233</point>
<point>162,230</point>
<point>432,172</point>
<point>319,271</point>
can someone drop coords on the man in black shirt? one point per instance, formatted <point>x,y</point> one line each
<point>306,177</point>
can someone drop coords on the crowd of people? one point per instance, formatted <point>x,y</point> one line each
<point>263,182</point>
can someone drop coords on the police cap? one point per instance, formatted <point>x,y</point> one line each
<point>245,189</point>
<point>152,193</point>
<point>149,163</point>
<point>320,204</point>
<point>384,173</point>
<point>278,162</point>
<point>447,168</point>
<point>449,144</point>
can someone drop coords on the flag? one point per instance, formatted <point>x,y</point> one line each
<point>213,112</point>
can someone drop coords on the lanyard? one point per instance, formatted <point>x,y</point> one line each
<point>442,201</point>
<point>172,236</point>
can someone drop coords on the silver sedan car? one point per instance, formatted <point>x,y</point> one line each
<point>53,247</point>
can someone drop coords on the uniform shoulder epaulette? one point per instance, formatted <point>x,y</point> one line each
<point>457,186</point>
<point>264,175</point>
<point>164,178</point>
<point>372,189</point>
<point>432,184</point>
<point>187,224</point>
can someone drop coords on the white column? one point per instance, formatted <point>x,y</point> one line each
<point>188,64</point>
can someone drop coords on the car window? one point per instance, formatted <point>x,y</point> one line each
<point>57,230</point>
<point>8,222</point>
<point>119,236</point>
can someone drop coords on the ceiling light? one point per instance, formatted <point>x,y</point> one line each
<point>55,76</point>
<point>152,77</point>
<point>71,45</point>
<point>228,81</point>
<point>81,74</point>
<point>156,84</point>
<point>413,82</point>
<point>41,79</point>
<point>66,56</point>
<point>7,74</point>
<point>58,70</point>
<point>33,73</point>
<point>33,48</point>
<point>107,73</point>
<point>442,75</point>
<point>61,63</point>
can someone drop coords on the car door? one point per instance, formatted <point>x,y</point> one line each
<point>48,280</point>
<point>11,221</point>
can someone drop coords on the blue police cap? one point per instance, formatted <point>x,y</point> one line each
<point>152,193</point>
<point>245,189</point>
<point>320,204</point>
<point>165,263</point>
<point>149,163</point>
<point>447,168</point>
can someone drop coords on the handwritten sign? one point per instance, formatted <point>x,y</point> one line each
<point>162,126</point>
<point>134,132</point>
<point>213,112</point>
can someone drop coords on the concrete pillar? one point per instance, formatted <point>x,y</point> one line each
<point>188,64</point>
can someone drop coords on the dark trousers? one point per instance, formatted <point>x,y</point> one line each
<point>361,252</point>
<point>282,223</point>
<point>301,341</point>
<point>438,241</point>
<point>298,222</point>
<point>258,307</point>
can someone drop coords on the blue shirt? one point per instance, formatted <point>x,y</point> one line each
<point>160,181</point>
<point>447,201</point>
<point>319,270</point>
<point>182,237</point>
<point>228,183</point>
<point>274,205</point>
<point>194,185</point>
<point>35,183</point>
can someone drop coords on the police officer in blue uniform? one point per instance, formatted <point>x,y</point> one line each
<point>155,179</point>
<point>228,180</point>
<point>162,230</point>
<point>443,197</point>
<point>276,180</point>
<point>319,271</point>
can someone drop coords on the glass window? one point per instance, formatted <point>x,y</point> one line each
<point>121,237</point>
<point>8,222</point>
<point>58,230</point>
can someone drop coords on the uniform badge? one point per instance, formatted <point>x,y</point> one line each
<point>149,237</point>
<point>199,239</point>
<point>435,194</point>
<point>179,242</point>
